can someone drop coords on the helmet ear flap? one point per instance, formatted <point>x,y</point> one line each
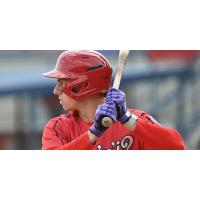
<point>76,89</point>
<point>80,87</point>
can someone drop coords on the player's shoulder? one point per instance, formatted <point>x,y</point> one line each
<point>59,120</point>
<point>138,112</point>
<point>146,117</point>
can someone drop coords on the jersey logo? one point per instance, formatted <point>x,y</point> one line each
<point>123,144</point>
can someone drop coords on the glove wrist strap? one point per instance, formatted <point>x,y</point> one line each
<point>96,131</point>
<point>125,118</point>
<point>131,123</point>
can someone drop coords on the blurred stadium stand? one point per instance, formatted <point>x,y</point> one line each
<point>163,83</point>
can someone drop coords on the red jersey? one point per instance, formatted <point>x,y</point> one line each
<point>68,132</point>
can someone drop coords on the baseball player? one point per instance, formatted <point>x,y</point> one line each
<point>83,89</point>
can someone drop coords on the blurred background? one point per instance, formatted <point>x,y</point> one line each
<point>164,83</point>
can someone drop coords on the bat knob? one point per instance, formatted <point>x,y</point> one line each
<point>106,121</point>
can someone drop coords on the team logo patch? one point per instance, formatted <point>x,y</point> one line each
<point>123,144</point>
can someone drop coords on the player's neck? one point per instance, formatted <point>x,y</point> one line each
<point>88,108</point>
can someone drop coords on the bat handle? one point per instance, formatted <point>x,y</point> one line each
<point>107,122</point>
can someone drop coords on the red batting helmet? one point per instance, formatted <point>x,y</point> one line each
<point>89,73</point>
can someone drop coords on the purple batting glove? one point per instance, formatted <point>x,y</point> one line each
<point>107,109</point>
<point>119,98</point>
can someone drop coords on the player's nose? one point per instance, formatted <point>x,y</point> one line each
<point>57,89</point>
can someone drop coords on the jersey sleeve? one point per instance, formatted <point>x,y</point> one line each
<point>80,143</point>
<point>53,139</point>
<point>153,136</point>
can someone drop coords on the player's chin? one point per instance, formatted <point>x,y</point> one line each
<point>65,108</point>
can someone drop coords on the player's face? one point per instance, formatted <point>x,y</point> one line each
<point>67,102</point>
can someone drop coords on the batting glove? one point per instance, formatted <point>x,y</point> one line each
<point>107,109</point>
<point>119,98</point>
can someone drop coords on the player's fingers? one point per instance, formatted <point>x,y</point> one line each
<point>116,98</point>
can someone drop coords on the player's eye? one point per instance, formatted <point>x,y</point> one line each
<point>61,83</point>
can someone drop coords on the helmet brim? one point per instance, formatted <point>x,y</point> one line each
<point>56,74</point>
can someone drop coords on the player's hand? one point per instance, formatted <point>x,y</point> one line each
<point>107,109</point>
<point>119,98</point>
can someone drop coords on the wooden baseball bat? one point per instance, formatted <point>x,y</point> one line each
<point>123,54</point>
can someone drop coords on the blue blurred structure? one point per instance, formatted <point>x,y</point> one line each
<point>169,91</point>
<point>14,81</point>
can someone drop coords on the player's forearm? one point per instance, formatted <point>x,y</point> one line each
<point>83,142</point>
<point>131,124</point>
<point>92,138</point>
